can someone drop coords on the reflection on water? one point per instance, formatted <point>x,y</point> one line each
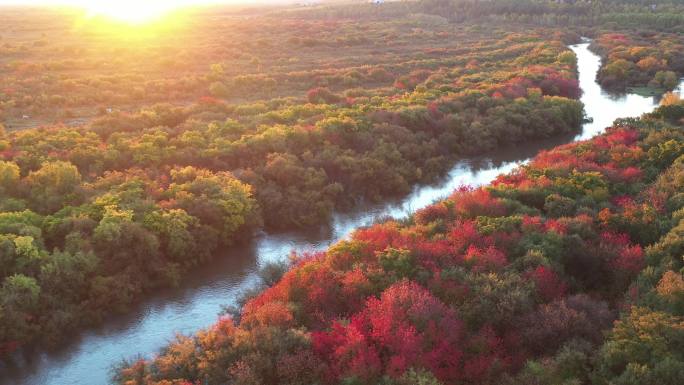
<point>88,358</point>
<point>603,107</point>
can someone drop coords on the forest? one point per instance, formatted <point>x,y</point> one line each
<point>179,184</point>
<point>641,61</point>
<point>128,161</point>
<point>518,282</point>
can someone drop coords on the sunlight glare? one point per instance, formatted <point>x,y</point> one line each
<point>132,11</point>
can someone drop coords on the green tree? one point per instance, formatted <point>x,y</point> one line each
<point>644,347</point>
<point>19,296</point>
<point>53,186</point>
<point>9,177</point>
<point>218,200</point>
<point>666,79</point>
<point>174,228</point>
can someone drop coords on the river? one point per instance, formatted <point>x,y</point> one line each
<point>87,359</point>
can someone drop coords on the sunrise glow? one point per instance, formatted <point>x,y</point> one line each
<point>132,11</point>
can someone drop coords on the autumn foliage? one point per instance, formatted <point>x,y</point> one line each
<point>475,288</point>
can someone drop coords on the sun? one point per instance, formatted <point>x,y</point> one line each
<point>132,11</point>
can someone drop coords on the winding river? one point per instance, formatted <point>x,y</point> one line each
<point>88,358</point>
